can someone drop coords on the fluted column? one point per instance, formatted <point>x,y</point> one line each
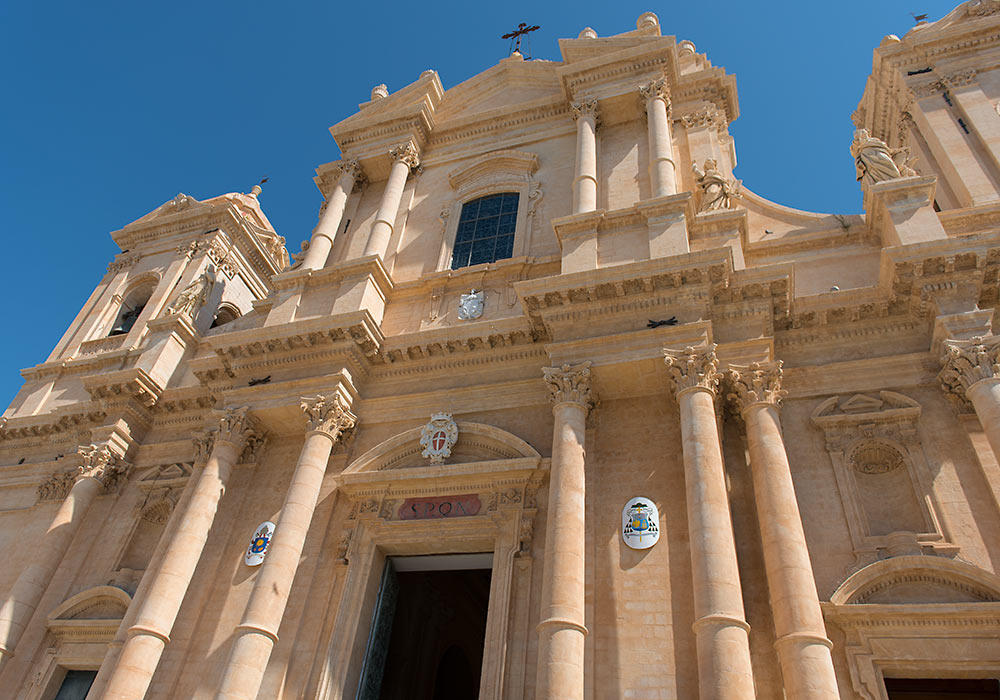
<point>322,239</point>
<point>972,371</point>
<point>585,180</point>
<point>561,631</point>
<point>802,645</point>
<point>404,157</point>
<point>258,630</point>
<point>662,169</point>
<point>720,627</point>
<point>155,617</point>
<point>100,466</point>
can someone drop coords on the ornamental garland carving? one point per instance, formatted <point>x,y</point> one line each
<point>569,384</point>
<point>586,108</point>
<point>656,90</point>
<point>690,368</point>
<point>328,416</point>
<point>710,116</point>
<point>755,383</point>
<point>56,487</point>
<point>944,83</point>
<point>406,153</point>
<point>967,362</point>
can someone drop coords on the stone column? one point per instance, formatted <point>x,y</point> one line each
<point>585,181</point>
<point>155,617</point>
<point>720,627</point>
<point>801,642</point>
<point>100,468</point>
<point>662,169</point>
<point>331,216</point>
<point>404,158</point>
<point>258,630</point>
<point>561,631</point>
<point>972,371</point>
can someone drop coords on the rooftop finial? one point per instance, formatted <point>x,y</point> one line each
<point>380,91</point>
<point>257,189</point>
<point>515,38</point>
<point>647,20</point>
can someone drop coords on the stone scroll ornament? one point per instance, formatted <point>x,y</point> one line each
<point>640,523</point>
<point>438,437</point>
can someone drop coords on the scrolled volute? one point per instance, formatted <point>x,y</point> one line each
<point>693,368</point>
<point>755,383</point>
<point>328,415</point>
<point>968,362</point>
<point>569,384</point>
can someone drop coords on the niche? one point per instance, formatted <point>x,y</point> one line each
<point>882,478</point>
<point>133,303</point>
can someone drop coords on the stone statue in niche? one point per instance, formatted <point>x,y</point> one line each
<point>195,294</point>
<point>876,162</point>
<point>717,191</point>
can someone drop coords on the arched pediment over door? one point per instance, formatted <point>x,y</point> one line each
<point>917,617</point>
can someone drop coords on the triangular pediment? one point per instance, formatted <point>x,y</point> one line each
<point>166,472</point>
<point>859,403</point>
<point>510,83</point>
<point>860,407</point>
<point>182,203</point>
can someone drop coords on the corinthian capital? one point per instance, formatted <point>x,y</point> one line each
<point>406,153</point>
<point>690,368</point>
<point>970,361</point>
<point>236,426</point>
<point>100,463</point>
<point>585,108</point>
<point>656,90</point>
<point>755,383</point>
<point>328,416</point>
<point>352,168</point>
<point>569,384</point>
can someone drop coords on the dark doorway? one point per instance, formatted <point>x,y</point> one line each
<point>434,650</point>
<point>942,688</point>
<point>76,685</point>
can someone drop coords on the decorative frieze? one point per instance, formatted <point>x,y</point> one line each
<point>122,262</point>
<point>327,416</point>
<point>569,384</point>
<point>944,83</point>
<point>56,486</point>
<point>755,383</point>
<point>709,117</point>
<point>692,368</point>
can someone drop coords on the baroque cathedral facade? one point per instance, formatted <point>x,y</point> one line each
<point>549,406</point>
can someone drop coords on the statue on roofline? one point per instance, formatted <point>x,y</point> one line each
<point>717,191</point>
<point>876,162</point>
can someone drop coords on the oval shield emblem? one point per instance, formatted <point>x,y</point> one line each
<point>640,523</point>
<point>259,543</point>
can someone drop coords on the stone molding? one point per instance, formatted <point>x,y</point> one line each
<point>969,361</point>
<point>406,153</point>
<point>570,384</point>
<point>328,416</point>
<point>755,383</point>
<point>693,368</point>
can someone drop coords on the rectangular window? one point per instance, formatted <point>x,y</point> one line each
<point>485,230</point>
<point>76,685</point>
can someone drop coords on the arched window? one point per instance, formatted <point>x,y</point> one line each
<point>132,305</point>
<point>485,230</point>
<point>227,312</point>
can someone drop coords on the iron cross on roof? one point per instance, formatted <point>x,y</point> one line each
<point>515,37</point>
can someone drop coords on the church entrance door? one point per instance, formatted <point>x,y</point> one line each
<point>428,629</point>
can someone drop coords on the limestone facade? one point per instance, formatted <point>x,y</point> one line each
<point>811,401</point>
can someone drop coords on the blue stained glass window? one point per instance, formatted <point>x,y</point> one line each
<point>485,230</point>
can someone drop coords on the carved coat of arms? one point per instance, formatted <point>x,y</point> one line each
<point>470,306</point>
<point>259,543</point>
<point>640,523</point>
<point>438,437</point>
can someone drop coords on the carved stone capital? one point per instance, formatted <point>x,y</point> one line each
<point>203,441</point>
<point>755,383</point>
<point>585,108</point>
<point>236,426</point>
<point>406,153</point>
<point>56,486</point>
<point>656,90</point>
<point>969,361</point>
<point>100,463</point>
<point>693,367</point>
<point>569,384</point>
<point>328,416</point>
<point>352,167</point>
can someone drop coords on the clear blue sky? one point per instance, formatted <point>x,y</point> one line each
<point>112,108</point>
